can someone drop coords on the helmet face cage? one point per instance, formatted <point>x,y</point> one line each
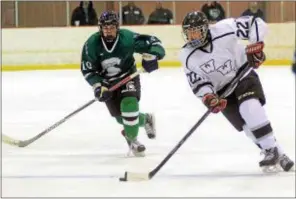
<point>198,22</point>
<point>108,18</point>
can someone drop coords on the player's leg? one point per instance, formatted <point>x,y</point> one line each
<point>285,162</point>
<point>251,99</point>
<point>146,120</point>
<point>114,107</point>
<point>132,119</point>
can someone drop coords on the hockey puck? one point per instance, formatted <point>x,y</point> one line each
<point>124,179</point>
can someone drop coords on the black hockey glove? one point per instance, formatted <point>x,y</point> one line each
<point>102,93</point>
<point>149,62</point>
<point>255,54</point>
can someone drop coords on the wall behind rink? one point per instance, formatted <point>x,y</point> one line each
<point>60,48</point>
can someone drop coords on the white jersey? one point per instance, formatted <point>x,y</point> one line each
<point>209,69</point>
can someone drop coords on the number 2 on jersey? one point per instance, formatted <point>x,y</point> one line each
<point>243,29</point>
<point>192,77</point>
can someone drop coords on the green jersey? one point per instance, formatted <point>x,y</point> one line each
<point>100,64</point>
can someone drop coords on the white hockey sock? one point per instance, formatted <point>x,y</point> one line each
<point>254,115</point>
<point>249,134</point>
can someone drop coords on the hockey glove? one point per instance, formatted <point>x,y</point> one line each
<point>102,93</point>
<point>255,54</point>
<point>149,62</point>
<point>213,102</point>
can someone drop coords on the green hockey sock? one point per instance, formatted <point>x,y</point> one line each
<point>129,107</point>
<point>142,119</point>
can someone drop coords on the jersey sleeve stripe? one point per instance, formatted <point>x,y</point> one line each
<point>201,85</point>
<point>257,33</point>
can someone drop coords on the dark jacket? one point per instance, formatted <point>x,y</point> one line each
<point>214,12</point>
<point>259,13</point>
<point>85,19</point>
<point>132,16</point>
<point>160,16</point>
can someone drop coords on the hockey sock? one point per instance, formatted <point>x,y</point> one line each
<point>130,116</point>
<point>249,133</point>
<point>142,119</point>
<point>256,120</point>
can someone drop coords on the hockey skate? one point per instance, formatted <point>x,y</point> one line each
<point>150,126</point>
<point>270,160</point>
<point>135,147</point>
<point>285,162</point>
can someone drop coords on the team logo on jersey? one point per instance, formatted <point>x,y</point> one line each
<point>224,69</point>
<point>130,86</point>
<point>110,66</point>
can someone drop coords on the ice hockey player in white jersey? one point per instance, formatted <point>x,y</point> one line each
<point>212,57</point>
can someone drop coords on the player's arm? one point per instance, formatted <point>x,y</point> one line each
<point>201,85</point>
<point>151,49</point>
<point>253,29</point>
<point>203,89</point>
<point>89,69</point>
<point>88,66</point>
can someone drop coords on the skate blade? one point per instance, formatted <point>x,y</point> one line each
<point>271,169</point>
<point>131,154</point>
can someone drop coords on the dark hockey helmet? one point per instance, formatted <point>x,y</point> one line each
<point>195,27</point>
<point>108,18</point>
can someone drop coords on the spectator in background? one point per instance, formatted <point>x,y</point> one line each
<point>214,11</point>
<point>254,10</point>
<point>132,15</point>
<point>160,15</point>
<point>84,15</point>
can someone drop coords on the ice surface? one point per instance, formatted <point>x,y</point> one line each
<point>86,155</point>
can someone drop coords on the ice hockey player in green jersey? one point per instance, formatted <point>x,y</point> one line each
<point>107,58</point>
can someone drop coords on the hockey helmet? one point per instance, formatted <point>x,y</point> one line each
<point>195,28</point>
<point>108,18</point>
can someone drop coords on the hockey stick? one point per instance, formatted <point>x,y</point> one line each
<point>131,176</point>
<point>23,143</point>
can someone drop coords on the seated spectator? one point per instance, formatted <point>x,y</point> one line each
<point>160,15</point>
<point>214,11</point>
<point>132,15</point>
<point>84,15</point>
<point>253,10</point>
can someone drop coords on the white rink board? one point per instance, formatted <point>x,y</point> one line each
<point>84,157</point>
